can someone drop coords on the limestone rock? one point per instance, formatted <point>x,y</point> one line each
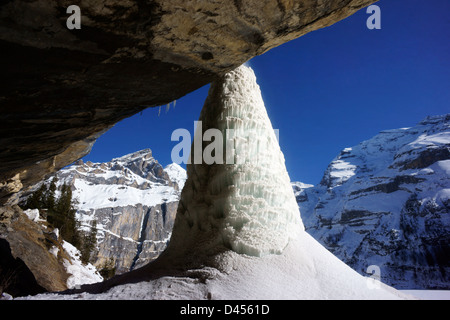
<point>29,243</point>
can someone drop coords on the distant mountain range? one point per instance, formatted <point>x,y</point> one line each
<point>386,202</point>
<point>133,200</point>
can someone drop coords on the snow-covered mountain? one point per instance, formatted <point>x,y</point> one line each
<point>133,200</point>
<point>386,202</point>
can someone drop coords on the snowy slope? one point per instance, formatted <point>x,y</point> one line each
<point>305,271</point>
<point>132,179</point>
<point>99,196</point>
<point>386,202</point>
<point>80,274</point>
<point>66,254</point>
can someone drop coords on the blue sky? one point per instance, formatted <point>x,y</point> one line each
<point>327,90</point>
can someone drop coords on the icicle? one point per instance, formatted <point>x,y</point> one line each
<point>159,111</point>
<point>168,107</point>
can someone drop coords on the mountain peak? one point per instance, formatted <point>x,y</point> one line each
<point>176,174</point>
<point>436,119</point>
<point>133,201</point>
<point>145,153</point>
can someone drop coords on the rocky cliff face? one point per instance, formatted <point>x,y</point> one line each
<point>30,243</point>
<point>65,87</point>
<point>35,259</point>
<point>386,202</point>
<point>133,201</point>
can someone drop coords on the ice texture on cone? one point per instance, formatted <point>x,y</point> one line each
<point>247,202</point>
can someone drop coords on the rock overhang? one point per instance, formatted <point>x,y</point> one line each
<point>63,87</point>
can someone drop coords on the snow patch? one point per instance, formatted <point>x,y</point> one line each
<point>176,174</point>
<point>33,215</point>
<point>97,196</point>
<point>54,251</point>
<point>429,294</point>
<point>80,274</point>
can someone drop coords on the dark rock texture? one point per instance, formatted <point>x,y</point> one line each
<point>29,245</point>
<point>61,88</point>
<point>15,277</point>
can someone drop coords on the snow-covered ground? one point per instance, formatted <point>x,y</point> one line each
<point>305,270</point>
<point>429,294</point>
<point>80,273</point>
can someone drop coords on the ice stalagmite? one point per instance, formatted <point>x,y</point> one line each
<point>243,200</point>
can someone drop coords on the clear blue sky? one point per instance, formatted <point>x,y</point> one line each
<point>327,90</point>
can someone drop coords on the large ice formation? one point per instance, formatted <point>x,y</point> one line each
<point>238,233</point>
<point>244,201</point>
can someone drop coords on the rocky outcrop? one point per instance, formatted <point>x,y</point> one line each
<point>385,202</point>
<point>65,87</point>
<point>15,277</point>
<point>30,243</point>
<point>132,235</point>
